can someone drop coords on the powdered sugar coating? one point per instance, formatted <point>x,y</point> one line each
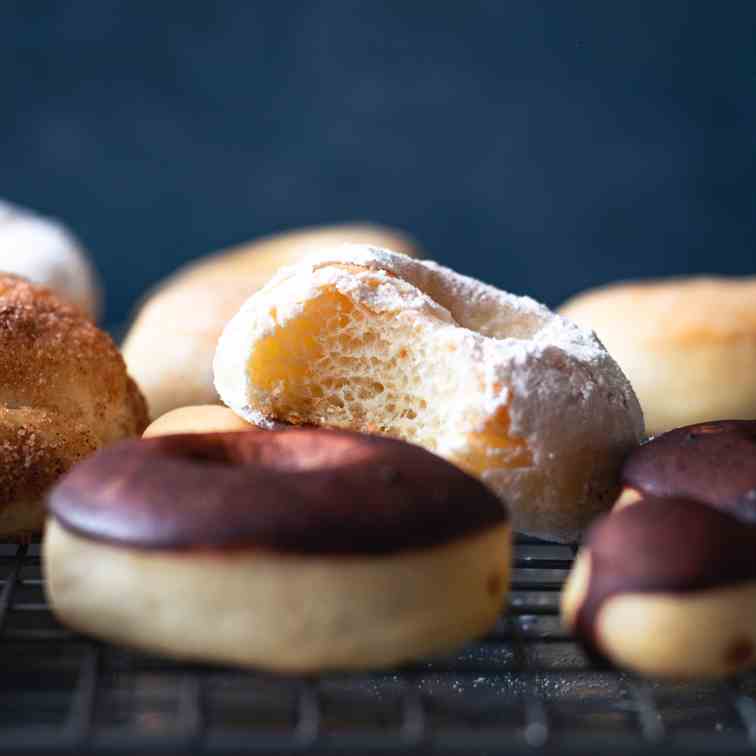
<point>44,251</point>
<point>488,352</point>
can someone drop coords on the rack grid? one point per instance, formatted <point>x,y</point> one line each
<point>525,688</point>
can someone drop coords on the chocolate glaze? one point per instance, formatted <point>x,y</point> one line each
<point>658,545</point>
<point>714,463</point>
<point>298,491</point>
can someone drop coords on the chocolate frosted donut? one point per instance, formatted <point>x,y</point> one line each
<point>666,584</point>
<point>714,463</point>
<point>295,550</point>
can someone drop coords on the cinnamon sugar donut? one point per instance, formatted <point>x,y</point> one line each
<point>365,339</point>
<point>65,393</point>
<point>169,349</point>
<point>298,550</point>
<point>44,251</point>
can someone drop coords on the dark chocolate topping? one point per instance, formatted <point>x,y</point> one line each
<point>298,491</point>
<point>714,463</point>
<point>669,546</point>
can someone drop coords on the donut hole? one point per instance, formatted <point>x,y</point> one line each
<point>200,449</point>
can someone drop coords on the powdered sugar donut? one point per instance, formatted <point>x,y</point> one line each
<point>44,251</point>
<point>365,339</point>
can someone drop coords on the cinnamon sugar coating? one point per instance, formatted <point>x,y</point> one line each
<point>64,392</point>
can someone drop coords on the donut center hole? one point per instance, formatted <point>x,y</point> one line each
<point>206,453</point>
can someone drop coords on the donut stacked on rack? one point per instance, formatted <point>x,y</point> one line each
<point>666,584</point>
<point>309,549</point>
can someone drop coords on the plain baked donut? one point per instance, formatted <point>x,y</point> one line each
<point>666,584</point>
<point>365,339</point>
<point>203,418</point>
<point>65,393</point>
<point>297,550</point>
<point>170,346</point>
<point>45,252</point>
<point>688,345</point>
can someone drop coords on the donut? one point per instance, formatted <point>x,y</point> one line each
<point>66,393</point>
<point>296,551</point>
<point>368,340</point>
<point>204,418</point>
<point>688,345</point>
<point>666,584</point>
<point>45,252</point>
<point>169,348</point>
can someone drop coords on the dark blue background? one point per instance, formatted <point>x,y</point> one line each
<point>544,146</point>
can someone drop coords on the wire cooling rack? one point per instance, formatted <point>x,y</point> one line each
<point>526,688</point>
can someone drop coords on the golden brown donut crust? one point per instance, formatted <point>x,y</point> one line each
<point>688,345</point>
<point>65,393</point>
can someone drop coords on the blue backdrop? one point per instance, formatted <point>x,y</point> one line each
<point>543,146</point>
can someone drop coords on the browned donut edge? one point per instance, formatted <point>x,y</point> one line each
<point>299,491</point>
<point>714,463</point>
<point>673,546</point>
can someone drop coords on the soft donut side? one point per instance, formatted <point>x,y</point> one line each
<point>320,612</point>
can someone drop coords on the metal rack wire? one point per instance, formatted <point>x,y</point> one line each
<point>525,688</point>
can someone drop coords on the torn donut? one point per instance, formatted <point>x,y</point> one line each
<point>298,550</point>
<point>365,339</point>
<point>169,348</point>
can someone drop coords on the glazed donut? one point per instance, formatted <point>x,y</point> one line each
<point>65,394</point>
<point>688,345</point>
<point>666,584</point>
<point>204,418</point>
<point>169,348</point>
<point>297,551</point>
<point>45,252</point>
<point>365,339</point>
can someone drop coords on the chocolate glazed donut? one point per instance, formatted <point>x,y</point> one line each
<point>666,584</point>
<point>296,550</point>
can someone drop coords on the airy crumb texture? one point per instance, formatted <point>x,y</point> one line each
<point>46,252</point>
<point>65,393</point>
<point>365,339</point>
<point>170,347</point>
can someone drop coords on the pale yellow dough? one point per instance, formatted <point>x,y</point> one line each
<point>204,418</point>
<point>280,611</point>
